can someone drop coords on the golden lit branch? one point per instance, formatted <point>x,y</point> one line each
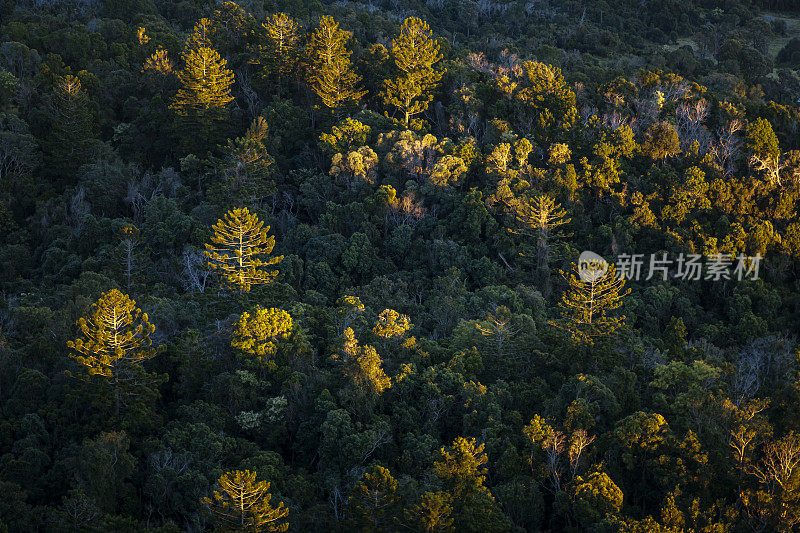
<point>235,253</point>
<point>587,306</point>
<point>115,334</point>
<point>240,503</point>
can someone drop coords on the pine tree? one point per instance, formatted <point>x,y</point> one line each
<point>131,254</point>
<point>588,303</point>
<point>500,331</point>
<point>233,31</point>
<point>200,36</point>
<point>281,51</point>
<point>373,503</point>
<point>72,125</point>
<point>240,503</point>
<point>242,175</point>
<point>235,251</point>
<point>259,333</point>
<point>331,74</point>
<point>539,218</point>
<point>115,340</point>
<point>415,55</point>
<point>205,85</point>
<point>462,470</point>
<point>433,513</point>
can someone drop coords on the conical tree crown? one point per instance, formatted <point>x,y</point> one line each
<point>240,503</point>
<point>588,303</point>
<point>235,253</point>
<point>115,334</point>
<point>205,84</point>
<point>415,53</point>
<point>331,74</point>
<point>282,42</point>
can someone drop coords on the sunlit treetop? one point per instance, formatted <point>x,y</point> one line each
<point>158,62</point>
<point>331,74</point>
<point>115,333</point>
<point>240,503</point>
<point>259,333</point>
<point>391,324</point>
<point>415,55</point>
<point>363,365</point>
<point>588,306</point>
<point>205,84</point>
<point>237,250</point>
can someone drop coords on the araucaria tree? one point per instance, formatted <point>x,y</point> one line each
<point>72,127</point>
<point>281,48</point>
<point>587,305</point>
<point>114,341</point>
<point>540,217</point>
<point>415,54</point>
<point>240,503</point>
<point>235,253</point>
<point>205,85</point>
<point>330,72</point>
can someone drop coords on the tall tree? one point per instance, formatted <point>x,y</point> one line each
<point>330,72</point>
<point>373,504</point>
<point>588,303</point>
<point>462,470</point>
<point>281,50</point>
<point>131,254</point>
<point>242,173</point>
<point>240,503</point>
<point>539,218</point>
<point>72,127</point>
<point>235,253</point>
<point>205,85</point>
<point>114,341</point>
<point>415,54</point>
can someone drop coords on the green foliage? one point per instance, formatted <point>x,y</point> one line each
<point>398,372</point>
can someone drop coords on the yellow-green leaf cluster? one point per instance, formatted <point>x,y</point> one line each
<point>235,253</point>
<point>257,334</point>
<point>240,503</point>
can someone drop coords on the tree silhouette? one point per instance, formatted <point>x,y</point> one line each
<point>373,504</point>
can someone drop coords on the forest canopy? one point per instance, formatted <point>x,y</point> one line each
<point>490,266</point>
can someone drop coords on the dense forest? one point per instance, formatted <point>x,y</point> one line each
<point>466,265</point>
